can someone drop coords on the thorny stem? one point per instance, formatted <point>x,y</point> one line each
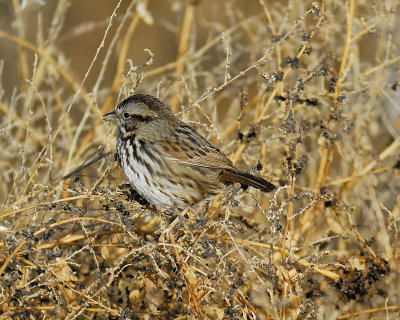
<point>123,52</point>
<point>183,46</point>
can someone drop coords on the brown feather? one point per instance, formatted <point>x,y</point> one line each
<point>246,179</point>
<point>205,155</point>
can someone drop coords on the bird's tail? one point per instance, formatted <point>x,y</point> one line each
<point>246,179</point>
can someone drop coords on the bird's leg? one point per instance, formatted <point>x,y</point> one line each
<point>132,195</point>
<point>165,230</point>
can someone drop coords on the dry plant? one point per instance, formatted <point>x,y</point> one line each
<point>305,93</point>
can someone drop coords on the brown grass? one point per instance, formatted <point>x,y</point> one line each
<point>304,92</point>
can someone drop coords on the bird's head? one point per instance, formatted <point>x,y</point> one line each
<point>141,114</point>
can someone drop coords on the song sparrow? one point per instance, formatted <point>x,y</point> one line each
<point>166,161</point>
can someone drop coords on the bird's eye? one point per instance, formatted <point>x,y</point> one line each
<point>126,115</point>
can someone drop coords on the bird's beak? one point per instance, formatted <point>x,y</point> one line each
<point>111,116</point>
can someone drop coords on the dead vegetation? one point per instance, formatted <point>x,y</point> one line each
<point>305,93</point>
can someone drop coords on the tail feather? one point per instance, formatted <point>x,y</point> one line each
<point>246,179</point>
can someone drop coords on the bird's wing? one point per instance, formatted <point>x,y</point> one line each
<point>191,148</point>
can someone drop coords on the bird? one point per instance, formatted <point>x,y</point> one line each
<point>167,162</point>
